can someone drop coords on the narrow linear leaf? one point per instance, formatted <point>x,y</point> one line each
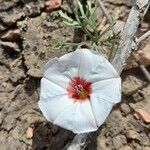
<point>64,15</point>
<point>74,24</point>
<point>81,8</point>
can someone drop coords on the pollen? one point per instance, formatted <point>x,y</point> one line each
<point>79,89</point>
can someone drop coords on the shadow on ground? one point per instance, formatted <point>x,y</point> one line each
<point>49,137</point>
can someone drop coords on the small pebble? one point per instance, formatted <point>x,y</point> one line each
<point>29,133</point>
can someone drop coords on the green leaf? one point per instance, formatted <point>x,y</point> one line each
<point>92,15</point>
<point>59,45</point>
<point>64,15</point>
<point>81,8</point>
<point>74,24</point>
<point>89,6</point>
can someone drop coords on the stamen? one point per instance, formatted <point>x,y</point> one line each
<point>79,88</point>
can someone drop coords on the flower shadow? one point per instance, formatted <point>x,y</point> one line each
<point>92,144</point>
<point>49,137</point>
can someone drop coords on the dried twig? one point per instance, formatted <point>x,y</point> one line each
<point>128,33</point>
<point>140,63</point>
<point>78,142</point>
<point>147,8</point>
<point>123,52</point>
<point>101,5</point>
<point>142,67</point>
<point>143,37</point>
<point>125,45</point>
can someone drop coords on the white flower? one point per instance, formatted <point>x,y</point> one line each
<point>78,90</point>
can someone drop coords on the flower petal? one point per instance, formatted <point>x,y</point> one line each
<point>69,65</point>
<point>108,89</point>
<point>54,72</point>
<point>65,118</point>
<point>50,89</point>
<point>53,107</point>
<point>77,117</point>
<point>101,109</point>
<point>50,63</point>
<point>63,62</point>
<point>73,65</point>
<point>93,66</point>
<point>61,70</point>
<point>84,120</point>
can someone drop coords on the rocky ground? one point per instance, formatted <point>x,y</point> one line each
<point>28,36</point>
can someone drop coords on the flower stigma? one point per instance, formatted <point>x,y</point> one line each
<point>79,89</point>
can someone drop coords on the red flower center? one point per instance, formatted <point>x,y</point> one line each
<point>79,89</point>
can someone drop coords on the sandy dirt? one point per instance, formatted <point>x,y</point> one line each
<point>28,36</point>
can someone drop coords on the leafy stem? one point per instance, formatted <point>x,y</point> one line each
<point>85,19</point>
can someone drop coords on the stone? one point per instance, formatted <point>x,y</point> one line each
<point>3,137</point>
<point>9,46</point>
<point>11,19</point>
<point>145,116</point>
<point>101,142</point>
<point>5,5</point>
<point>144,26</point>
<point>2,27</point>
<point>9,122</point>
<point>52,5</point>
<point>13,143</point>
<point>118,141</point>
<point>133,124</point>
<point>125,108</point>
<point>29,133</point>
<point>11,35</point>
<point>115,123</point>
<point>136,145</point>
<point>131,63</point>
<point>144,54</point>
<point>131,134</point>
<point>145,93</point>
<point>146,148</point>
<point>131,83</point>
<point>137,97</point>
<point>32,10</point>
<point>17,70</point>
<point>125,147</point>
<point>15,133</point>
<point>136,116</point>
<point>144,139</point>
